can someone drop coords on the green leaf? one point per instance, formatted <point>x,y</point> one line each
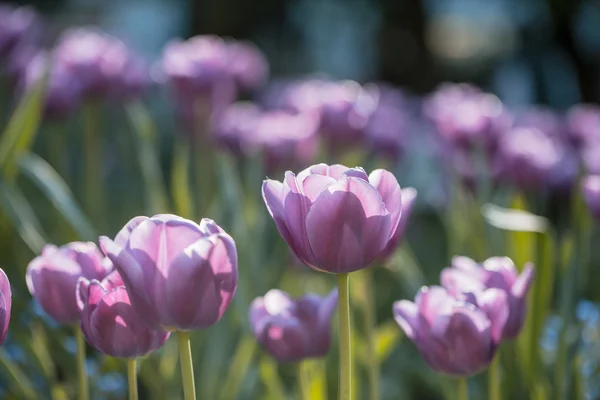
<point>59,194</point>
<point>17,208</point>
<point>269,374</point>
<point>180,179</point>
<point>145,134</point>
<point>387,337</point>
<point>239,366</point>
<point>513,219</point>
<point>22,127</point>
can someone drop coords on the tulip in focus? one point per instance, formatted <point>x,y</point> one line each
<point>52,277</point>
<point>455,335</point>
<point>291,330</point>
<point>109,322</point>
<point>5,305</point>
<point>467,276</point>
<point>336,219</point>
<point>179,275</point>
<point>591,194</point>
<point>409,196</point>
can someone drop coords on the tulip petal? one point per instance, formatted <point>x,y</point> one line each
<point>313,185</point>
<point>258,316</point>
<point>285,339</point>
<point>494,302</point>
<point>317,169</point>
<point>502,272</point>
<point>406,314</point>
<point>464,263</point>
<point>274,193</point>
<point>386,184</point>
<point>5,289</point>
<point>347,226</point>
<point>523,283</point>
<point>82,292</point>
<point>457,280</point>
<point>4,317</point>
<point>123,235</point>
<point>328,308</point>
<point>209,227</point>
<point>432,302</point>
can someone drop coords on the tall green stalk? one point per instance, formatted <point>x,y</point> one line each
<point>463,389</point>
<point>81,372</point>
<point>345,378</point>
<point>304,379</point>
<point>132,378</point>
<point>370,325</point>
<point>494,379</point>
<point>187,368</point>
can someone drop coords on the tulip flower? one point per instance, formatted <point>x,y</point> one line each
<point>591,194</point>
<point>291,330</point>
<point>336,219</point>
<point>466,275</point>
<point>583,124</point>
<point>409,196</point>
<point>52,277</point>
<point>456,335</point>
<point>5,305</point>
<point>17,25</point>
<point>109,322</point>
<point>179,276</point>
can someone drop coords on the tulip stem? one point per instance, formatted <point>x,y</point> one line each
<point>370,324</point>
<point>304,379</point>
<point>345,388</point>
<point>82,375</point>
<point>494,389</point>
<point>132,378</point>
<point>187,368</point>
<point>463,389</point>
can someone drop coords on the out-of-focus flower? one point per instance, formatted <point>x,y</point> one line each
<point>455,335</point>
<point>527,158</point>
<point>467,276</point>
<point>591,194</point>
<point>109,322</point>
<point>387,129</point>
<point>464,115</point>
<point>247,64</point>
<point>52,277</point>
<point>291,330</point>
<point>5,305</point>
<point>63,93</point>
<point>17,25</point>
<point>179,275</point>
<point>409,196</point>
<point>285,138</point>
<point>583,124</point>
<point>336,219</point>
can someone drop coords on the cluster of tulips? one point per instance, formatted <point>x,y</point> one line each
<point>167,274</point>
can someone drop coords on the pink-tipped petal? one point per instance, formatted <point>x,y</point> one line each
<point>494,302</point>
<point>406,314</point>
<point>386,184</point>
<point>523,283</point>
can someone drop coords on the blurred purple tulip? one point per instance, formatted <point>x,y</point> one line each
<point>109,322</point>
<point>5,305</point>
<point>334,218</point>
<point>291,330</point>
<point>409,196</point>
<point>455,335</point>
<point>591,194</point>
<point>17,25</point>
<point>52,277</point>
<point>179,275</point>
<point>63,94</point>
<point>466,276</point>
<point>286,139</point>
<point>247,64</point>
<point>464,115</point>
<point>583,124</point>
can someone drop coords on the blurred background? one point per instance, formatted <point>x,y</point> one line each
<point>524,54</point>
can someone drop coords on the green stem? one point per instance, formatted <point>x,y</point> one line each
<point>494,389</point>
<point>132,378</point>
<point>370,324</point>
<point>81,373</point>
<point>463,389</point>
<point>93,163</point>
<point>304,379</point>
<point>345,388</point>
<point>187,368</point>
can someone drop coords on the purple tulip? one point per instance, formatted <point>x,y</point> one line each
<point>465,115</point>
<point>109,322</point>
<point>5,305</point>
<point>334,218</point>
<point>455,335</point>
<point>409,195</point>
<point>283,137</point>
<point>291,330</point>
<point>591,194</point>
<point>583,124</point>
<point>63,93</point>
<point>17,25</point>
<point>247,64</point>
<point>466,275</point>
<point>52,277</point>
<point>179,275</point>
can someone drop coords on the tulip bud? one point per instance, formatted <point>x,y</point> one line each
<point>293,329</point>
<point>52,277</point>
<point>466,275</point>
<point>179,275</point>
<point>109,322</point>
<point>455,335</point>
<point>5,305</point>
<point>336,219</point>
